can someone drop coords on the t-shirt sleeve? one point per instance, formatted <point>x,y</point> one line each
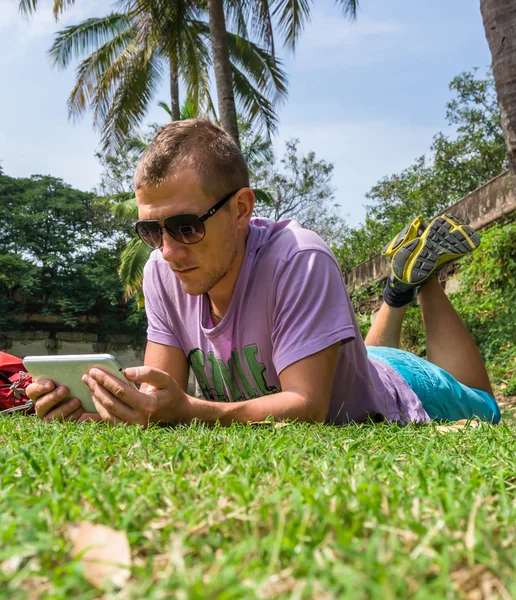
<point>159,327</point>
<point>312,308</point>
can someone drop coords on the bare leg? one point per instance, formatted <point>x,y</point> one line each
<point>449,345</point>
<point>386,329</point>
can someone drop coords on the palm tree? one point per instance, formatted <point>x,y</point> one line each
<point>499,18</point>
<point>290,16</point>
<point>222,68</point>
<point>124,64</point>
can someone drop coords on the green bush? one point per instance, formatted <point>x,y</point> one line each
<point>413,337</point>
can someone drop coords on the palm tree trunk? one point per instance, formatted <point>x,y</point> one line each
<point>174,89</point>
<point>222,68</point>
<point>500,25</point>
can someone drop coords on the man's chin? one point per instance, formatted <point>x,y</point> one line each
<point>193,289</point>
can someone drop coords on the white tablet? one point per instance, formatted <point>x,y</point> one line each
<point>68,370</point>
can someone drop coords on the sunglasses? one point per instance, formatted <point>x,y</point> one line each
<point>186,228</point>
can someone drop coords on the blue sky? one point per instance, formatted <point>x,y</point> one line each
<point>366,96</point>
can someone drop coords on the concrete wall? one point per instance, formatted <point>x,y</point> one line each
<point>484,206</point>
<point>24,343</point>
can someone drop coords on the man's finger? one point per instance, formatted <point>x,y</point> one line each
<point>89,417</point>
<point>47,402</point>
<point>116,386</point>
<point>37,388</point>
<point>154,377</point>
<point>107,404</point>
<point>104,414</point>
<point>64,411</point>
<point>76,415</point>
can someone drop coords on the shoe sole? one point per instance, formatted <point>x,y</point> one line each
<point>409,232</point>
<point>445,239</point>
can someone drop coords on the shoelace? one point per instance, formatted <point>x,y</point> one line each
<point>29,404</point>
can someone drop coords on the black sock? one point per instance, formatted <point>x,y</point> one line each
<point>399,295</point>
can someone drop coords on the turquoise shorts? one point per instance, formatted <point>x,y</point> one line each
<point>441,395</point>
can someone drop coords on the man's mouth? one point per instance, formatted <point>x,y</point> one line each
<point>184,270</point>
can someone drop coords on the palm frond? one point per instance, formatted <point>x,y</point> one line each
<point>165,107</point>
<point>291,16</point>
<point>237,12</point>
<point>139,82</point>
<point>261,24</point>
<point>349,8</point>
<point>137,144</point>
<point>255,106</point>
<point>210,108</point>
<point>256,150</point>
<point>97,76</point>
<point>132,262</point>
<point>195,62</point>
<point>60,6</point>
<point>125,206</point>
<point>259,64</point>
<point>88,37</point>
<point>189,110</point>
<point>27,7</point>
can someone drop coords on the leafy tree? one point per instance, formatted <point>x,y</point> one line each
<point>116,180</point>
<point>456,166</point>
<point>58,255</point>
<point>299,189</point>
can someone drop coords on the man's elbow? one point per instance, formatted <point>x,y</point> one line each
<point>316,410</point>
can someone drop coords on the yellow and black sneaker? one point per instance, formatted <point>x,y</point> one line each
<point>445,239</point>
<point>410,232</point>
<point>419,252</point>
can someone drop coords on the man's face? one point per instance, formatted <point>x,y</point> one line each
<point>198,266</point>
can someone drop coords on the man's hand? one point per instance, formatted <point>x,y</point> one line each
<point>49,403</point>
<point>160,399</point>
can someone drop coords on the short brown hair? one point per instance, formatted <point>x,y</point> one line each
<point>194,144</point>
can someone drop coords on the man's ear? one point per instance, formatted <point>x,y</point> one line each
<point>244,202</point>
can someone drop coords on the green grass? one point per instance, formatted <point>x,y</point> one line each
<point>300,511</point>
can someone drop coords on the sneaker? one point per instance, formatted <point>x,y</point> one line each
<point>410,232</point>
<point>445,239</point>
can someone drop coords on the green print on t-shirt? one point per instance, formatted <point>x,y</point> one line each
<point>227,381</point>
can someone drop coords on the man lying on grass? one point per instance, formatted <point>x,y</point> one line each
<point>259,311</point>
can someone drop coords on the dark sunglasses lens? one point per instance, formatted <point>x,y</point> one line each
<point>188,229</point>
<point>150,233</point>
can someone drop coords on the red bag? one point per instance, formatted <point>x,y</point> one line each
<point>13,381</point>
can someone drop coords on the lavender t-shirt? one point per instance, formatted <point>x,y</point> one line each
<point>289,302</point>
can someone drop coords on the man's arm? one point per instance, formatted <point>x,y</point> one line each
<point>306,394</point>
<point>169,359</point>
<point>306,391</point>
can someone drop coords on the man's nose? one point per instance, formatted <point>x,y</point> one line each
<point>172,250</point>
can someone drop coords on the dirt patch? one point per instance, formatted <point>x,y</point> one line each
<point>505,402</point>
